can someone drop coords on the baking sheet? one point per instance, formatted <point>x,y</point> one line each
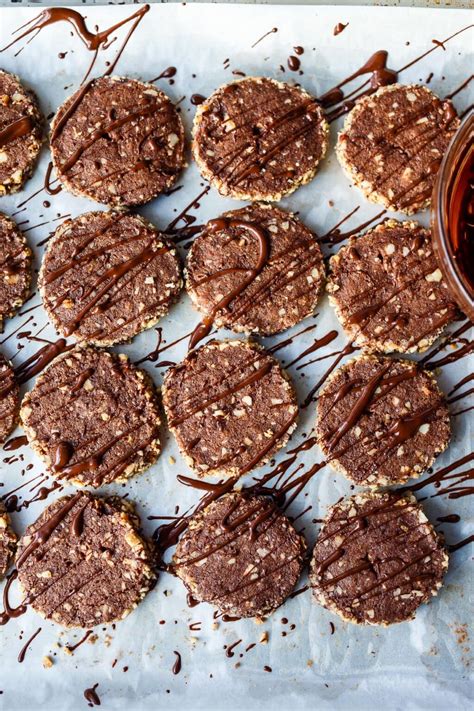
<point>421,664</point>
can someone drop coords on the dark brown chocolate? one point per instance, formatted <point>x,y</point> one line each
<point>118,141</point>
<point>240,284</point>
<point>240,554</point>
<point>377,559</point>
<point>93,417</point>
<point>230,406</point>
<point>106,276</point>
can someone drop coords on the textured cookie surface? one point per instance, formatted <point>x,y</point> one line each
<point>259,139</point>
<point>118,141</point>
<point>20,133</point>
<point>230,407</point>
<point>240,554</point>
<point>92,417</point>
<point>8,541</point>
<point>83,563</point>
<point>388,290</point>
<point>392,144</point>
<point>377,559</point>
<point>9,399</point>
<point>382,421</point>
<point>264,258</point>
<point>106,276</point>
<point>15,268</point>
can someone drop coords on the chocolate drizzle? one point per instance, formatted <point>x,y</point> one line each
<point>21,127</point>
<point>24,649</point>
<point>94,41</point>
<point>91,695</point>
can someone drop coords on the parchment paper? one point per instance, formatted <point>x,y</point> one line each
<point>421,664</point>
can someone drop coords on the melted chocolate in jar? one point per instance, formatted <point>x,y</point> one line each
<point>461,219</point>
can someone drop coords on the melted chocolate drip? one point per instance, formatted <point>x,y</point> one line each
<point>177,665</point>
<point>91,695</point>
<point>24,649</point>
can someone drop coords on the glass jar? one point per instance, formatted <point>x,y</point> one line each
<point>452,216</point>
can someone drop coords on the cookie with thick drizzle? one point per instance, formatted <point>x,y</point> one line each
<point>377,559</point>
<point>241,554</point>
<point>93,417</point>
<point>107,276</point>
<point>382,421</point>
<point>230,406</point>
<point>21,133</point>
<point>259,139</point>
<point>118,141</point>
<point>257,269</point>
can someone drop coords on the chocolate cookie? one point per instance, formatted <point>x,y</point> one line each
<point>377,558</point>
<point>382,421</point>
<point>106,276</point>
<point>257,269</point>
<point>9,399</point>
<point>118,141</point>
<point>240,554</point>
<point>15,268</point>
<point>8,541</point>
<point>21,133</point>
<point>93,417</point>
<point>393,142</point>
<point>230,407</point>
<point>259,139</point>
<point>83,562</point>
<point>388,291</point>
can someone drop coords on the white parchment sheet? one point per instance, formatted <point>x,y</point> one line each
<point>418,665</point>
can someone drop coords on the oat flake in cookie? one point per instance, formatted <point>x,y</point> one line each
<point>377,559</point>
<point>15,268</point>
<point>230,406</point>
<point>106,276</point>
<point>8,541</point>
<point>9,399</point>
<point>118,141</point>
<point>83,562</point>
<point>257,269</point>
<point>93,417</point>
<point>240,554</point>
<point>21,133</point>
<point>392,144</point>
<point>388,291</point>
<point>382,421</point>
<point>259,139</point>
